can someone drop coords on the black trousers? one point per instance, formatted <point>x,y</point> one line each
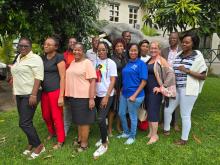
<point>26,114</point>
<point>101,117</point>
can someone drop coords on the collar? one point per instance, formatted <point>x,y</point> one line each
<point>173,50</point>
<point>133,61</point>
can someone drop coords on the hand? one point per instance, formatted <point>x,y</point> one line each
<point>32,100</point>
<point>132,98</point>
<point>104,102</point>
<point>91,104</point>
<point>60,101</point>
<point>182,68</point>
<point>156,90</point>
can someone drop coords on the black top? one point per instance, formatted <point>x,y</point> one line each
<point>51,73</point>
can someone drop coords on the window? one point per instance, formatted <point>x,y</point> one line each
<point>133,14</point>
<point>114,12</point>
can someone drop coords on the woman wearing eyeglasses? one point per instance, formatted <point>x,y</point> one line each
<point>52,99</point>
<point>27,73</point>
<point>104,93</point>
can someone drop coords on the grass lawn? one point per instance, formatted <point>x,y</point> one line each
<point>203,146</point>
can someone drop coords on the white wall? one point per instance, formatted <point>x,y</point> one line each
<point>123,11</point>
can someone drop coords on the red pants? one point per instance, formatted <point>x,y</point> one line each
<point>53,114</point>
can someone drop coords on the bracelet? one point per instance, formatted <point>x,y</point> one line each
<point>33,96</point>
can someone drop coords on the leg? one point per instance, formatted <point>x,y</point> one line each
<point>122,113</point>
<point>67,116</point>
<point>102,114</point>
<point>84,133</point>
<point>186,106</point>
<point>173,103</point>
<point>26,114</point>
<point>111,115</point>
<point>46,113</point>
<point>57,115</point>
<point>177,114</point>
<point>132,110</point>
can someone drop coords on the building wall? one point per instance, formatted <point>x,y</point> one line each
<point>123,12</point>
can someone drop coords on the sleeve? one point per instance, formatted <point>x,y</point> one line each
<point>143,71</point>
<point>60,58</point>
<point>113,69</point>
<point>37,67</point>
<point>90,70</point>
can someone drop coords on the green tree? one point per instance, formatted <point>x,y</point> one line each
<point>170,15</point>
<point>39,19</point>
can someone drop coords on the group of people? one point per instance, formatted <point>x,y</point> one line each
<point>82,87</point>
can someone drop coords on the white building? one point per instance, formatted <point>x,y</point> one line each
<point>123,11</point>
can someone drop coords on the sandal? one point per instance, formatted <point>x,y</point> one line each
<point>34,155</point>
<point>153,140</point>
<point>166,133</point>
<point>180,142</point>
<point>81,149</point>
<point>58,146</point>
<point>28,150</point>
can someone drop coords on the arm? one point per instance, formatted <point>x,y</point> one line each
<point>110,88</point>
<point>92,92</point>
<point>62,72</point>
<point>33,96</point>
<point>199,76</point>
<point>140,87</point>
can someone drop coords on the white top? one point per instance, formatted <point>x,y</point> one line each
<point>105,70</point>
<point>172,55</point>
<point>92,56</point>
<point>145,59</point>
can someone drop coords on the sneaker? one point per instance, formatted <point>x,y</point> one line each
<point>130,141</point>
<point>99,143</point>
<point>100,151</point>
<point>34,155</point>
<point>123,135</point>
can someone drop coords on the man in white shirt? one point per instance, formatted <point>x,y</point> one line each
<point>170,54</point>
<point>91,54</point>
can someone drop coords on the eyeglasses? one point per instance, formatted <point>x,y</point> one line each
<point>23,46</point>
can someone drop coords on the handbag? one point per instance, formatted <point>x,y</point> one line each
<point>142,113</point>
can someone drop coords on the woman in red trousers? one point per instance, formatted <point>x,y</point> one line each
<point>53,91</point>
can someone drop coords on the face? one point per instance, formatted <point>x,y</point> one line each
<point>71,43</point>
<point>50,46</point>
<point>24,47</point>
<point>173,39</point>
<point>144,48</point>
<point>95,42</point>
<point>133,52</point>
<point>102,51</point>
<point>127,37</point>
<point>119,48</point>
<point>78,52</point>
<point>187,44</point>
<point>154,50</point>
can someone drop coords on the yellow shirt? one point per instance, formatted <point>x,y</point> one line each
<point>24,71</point>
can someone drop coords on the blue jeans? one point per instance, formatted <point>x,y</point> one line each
<point>132,108</point>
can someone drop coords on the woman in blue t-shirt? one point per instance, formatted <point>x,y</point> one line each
<point>134,76</point>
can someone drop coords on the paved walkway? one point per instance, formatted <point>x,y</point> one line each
<point>6,98</point>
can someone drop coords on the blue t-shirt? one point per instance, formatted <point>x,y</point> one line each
<point>132,75</point>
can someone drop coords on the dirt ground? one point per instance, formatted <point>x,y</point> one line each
<point>6,98</point>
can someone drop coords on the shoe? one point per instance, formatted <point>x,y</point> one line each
<point>34,155</point>
<point>58,146</point>
<point>166,133</point>
<point>99,143</point>
<point>123,135</point>
<point>100,151</point>
<point>28,150</point>
<point>129,141</point>
<point>180,142</point>
<point>153,140</point>
<point>81,149</point>
<point>76,143</point>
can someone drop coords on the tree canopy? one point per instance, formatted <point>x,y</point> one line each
<point>171,15</point>
<point>39,19</point>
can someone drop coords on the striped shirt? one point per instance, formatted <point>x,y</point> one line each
<point>187,62</point>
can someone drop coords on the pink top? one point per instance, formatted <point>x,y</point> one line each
<point>77,79</point>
